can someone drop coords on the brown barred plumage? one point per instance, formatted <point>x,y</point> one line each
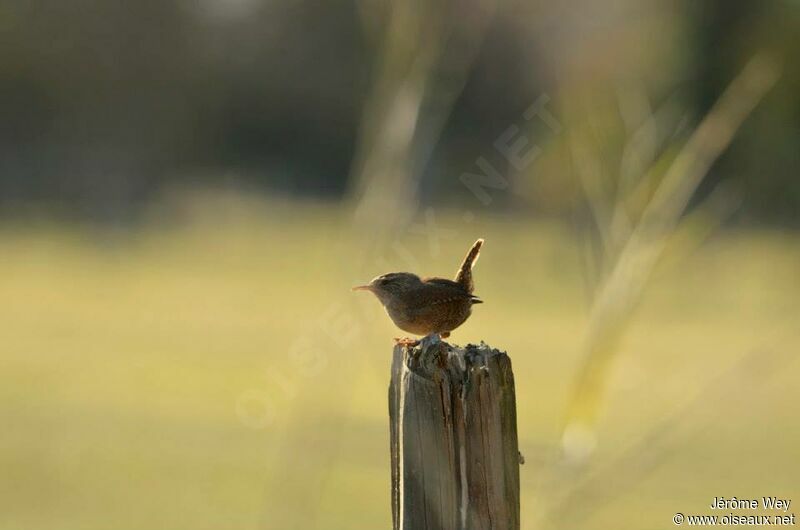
<point>428,305</point>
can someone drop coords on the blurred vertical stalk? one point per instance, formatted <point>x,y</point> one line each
<point>629,263</point>
<point>424,52</point>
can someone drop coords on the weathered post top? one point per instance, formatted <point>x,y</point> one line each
<point>454,452</point>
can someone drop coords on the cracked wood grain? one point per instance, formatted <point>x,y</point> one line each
<point>453,439</point>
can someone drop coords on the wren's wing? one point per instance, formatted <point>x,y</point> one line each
<point>446,291</point>
<point>441,304</point>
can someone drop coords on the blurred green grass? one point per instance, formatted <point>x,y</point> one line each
<point>124,357</point>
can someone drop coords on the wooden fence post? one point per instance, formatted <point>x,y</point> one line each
<point>453,425</point>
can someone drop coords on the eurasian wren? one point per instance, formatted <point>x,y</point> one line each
<point>427,305</point>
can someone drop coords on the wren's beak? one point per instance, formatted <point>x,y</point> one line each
<point>362,288</point>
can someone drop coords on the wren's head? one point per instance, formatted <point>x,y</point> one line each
<point>389,287</point>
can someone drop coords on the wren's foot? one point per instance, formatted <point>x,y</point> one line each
<point>405,341</point>
<point>444,334</point>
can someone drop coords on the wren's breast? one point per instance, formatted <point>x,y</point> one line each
<point>409,322</point>
<point>430,319</point>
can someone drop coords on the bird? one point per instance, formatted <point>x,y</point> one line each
<point>427,306</point>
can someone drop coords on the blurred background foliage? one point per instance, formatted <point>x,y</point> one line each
<point>189,189</point>
<point>107,103</point>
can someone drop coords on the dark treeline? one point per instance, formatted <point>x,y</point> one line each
<point>104,103</point>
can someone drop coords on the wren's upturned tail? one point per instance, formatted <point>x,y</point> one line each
<point>464,274</point>
<point>428,305</point>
